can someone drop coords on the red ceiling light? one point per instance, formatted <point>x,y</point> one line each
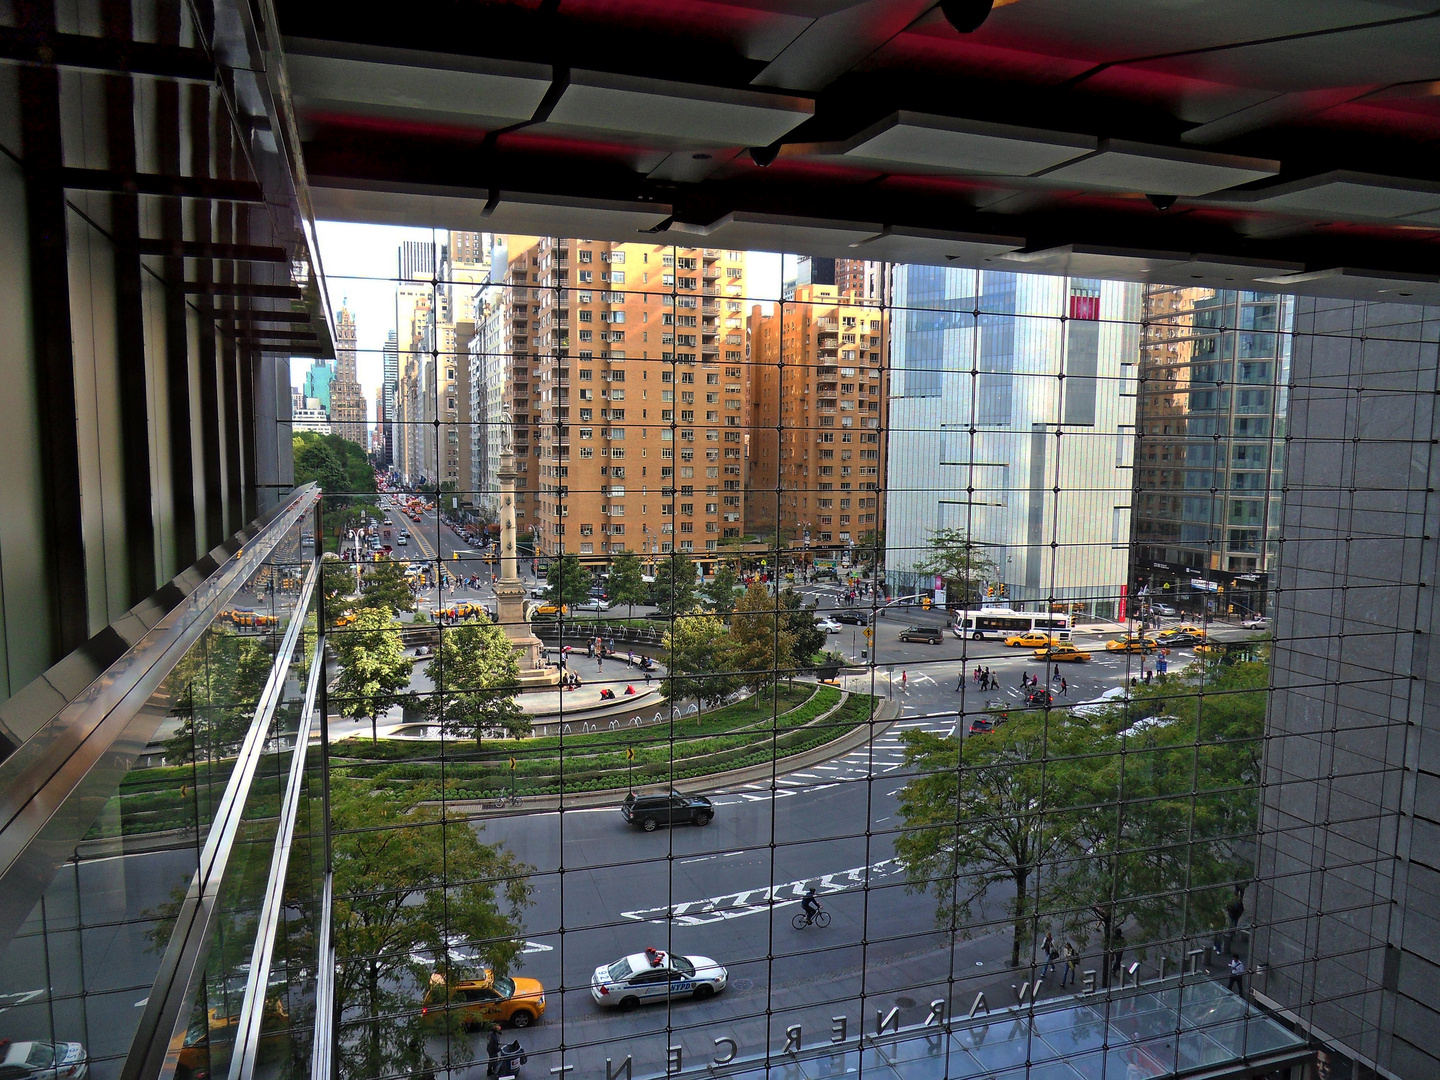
<point>966,16</point>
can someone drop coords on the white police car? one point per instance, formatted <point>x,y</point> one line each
<point>655,975</point>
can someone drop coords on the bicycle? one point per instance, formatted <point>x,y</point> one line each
<point>503,801</point>
<point>801,920</point>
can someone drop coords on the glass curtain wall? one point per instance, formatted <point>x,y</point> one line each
<point>726,678</point>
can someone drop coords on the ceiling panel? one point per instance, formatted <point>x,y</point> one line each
<point>690,113</point>
<point>1349,284</point>
<point>533,215</point>
<point>402,79</point>
<point>769,232</point>
<point>938,248</point>
<point>1160,170</point>
<point>1214,272</point>
<point>1079,260</point>
<point>969,146</point>
<point>1350,194</point>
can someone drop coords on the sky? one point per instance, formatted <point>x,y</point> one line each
<point>361,262</point>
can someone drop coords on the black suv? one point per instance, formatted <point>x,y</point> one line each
<point>853,616</point>
<point>649,811</point>
<point>930,635</point>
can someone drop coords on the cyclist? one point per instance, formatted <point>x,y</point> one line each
<point>810,904</point>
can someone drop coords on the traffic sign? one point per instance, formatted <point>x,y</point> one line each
<point>630,753</point>
<point>869,633</point>
<point>512,764</point>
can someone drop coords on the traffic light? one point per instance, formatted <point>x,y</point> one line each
<point>925,602</point>
<point>990,590</point>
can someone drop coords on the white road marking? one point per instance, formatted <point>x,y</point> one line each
<point>758,901</point>
<point>537,947</point>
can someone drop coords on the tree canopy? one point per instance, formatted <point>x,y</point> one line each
<point>760,647</point>
<point>374,670</point>
<point>383,586</point>
<point>568,581</point>
<point>808,639</point>
<point>697,665</point>
<point>961,561</point>
<point>215,688</point>
<point>415,894</point>
<point>476,677</point>
<point>720,591</point>
<point>627,584</point>
<point>1098,824</point>
<point>674,588</point>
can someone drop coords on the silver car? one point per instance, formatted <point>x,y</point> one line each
<point>655,975</point>
<point>45,1061</point>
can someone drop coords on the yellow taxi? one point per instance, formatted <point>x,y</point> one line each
<point>1061,650</point>
<point>1031,639</point>
<point>1132,644</point>
<point>1209,650</point>
<point>549,607</point>
<point>1186,628</point>
<point>487,1000</point>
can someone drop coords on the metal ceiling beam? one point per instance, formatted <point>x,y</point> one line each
<point>257,315</point>
<point>106,55</point>
<point>180,187</point>
<point>235,288</point>
<point>195,249</point>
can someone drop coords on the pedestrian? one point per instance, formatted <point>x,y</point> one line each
<point>904,679</point>
<point>1064,688</point>
<point>589,648</point>
<point>960,683</point>
<point>1072,964</point>
<point>1024,680</point>
<point>492,1048</point>
<point>610,646</point>
<point>1056,676</point>
<point>1147,677</point>
<point>1237,974</point>
<point>599,663</point>
<point>1050,951</point>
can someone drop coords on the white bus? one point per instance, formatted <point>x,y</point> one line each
<point>1002,622</point>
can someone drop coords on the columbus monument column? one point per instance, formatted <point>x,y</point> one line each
<point>510,593</point>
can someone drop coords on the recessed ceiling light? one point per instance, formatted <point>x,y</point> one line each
<point>701,157</point>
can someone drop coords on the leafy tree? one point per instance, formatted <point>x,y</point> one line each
<point>374,670</point>
<point>721,589</point>
<point>627,585</point>
<point>800,623</point>
<point>407,882</point>
<point>568,581</point>
<point>759,648</point>
<point>476,677</point>
<point>337,580</point>
<point>215,688</point>
<point>982,812</point>
<point>384,587</point>
<point>343,472</point>
<point>961,561</point>
<point>674,588</point>
<point>696,661</point>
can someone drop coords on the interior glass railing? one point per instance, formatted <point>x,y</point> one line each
<point>162,841</point>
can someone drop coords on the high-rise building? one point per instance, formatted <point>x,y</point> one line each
<point>417,260</point>
<point>347,399</point>
<point>1214,372</point>
<point>819,386</point>
<point>639,366</point>
<point>377,433</point>
<point>1012,415</point>
<point>317,383</point>
<point>389,386</point>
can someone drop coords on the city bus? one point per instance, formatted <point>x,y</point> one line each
<point>1002,622</point>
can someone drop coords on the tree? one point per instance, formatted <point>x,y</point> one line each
<point>215,688</point>
<point>413,893</point>
<point>343,472</point>
<point>337,580</point>
<point>721,589</point>
<point>384,586</point>
<point>568,581</point>
<point>759,648</point>
<point>696,663</point>
<point>374,670</point>
<point>675,584</point>
<point>800,623</point>
<point>476,677</point>
<point>984,811</point>
<point>961,562</point>
<point>627,584</point>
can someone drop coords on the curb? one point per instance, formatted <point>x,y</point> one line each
<point>886,713</point>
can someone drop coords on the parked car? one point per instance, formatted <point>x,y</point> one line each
<point>595,603</point>
<point>852,617</point>
<point>486,1000</point>
<point>928,635</point>
<point>655,975</point>
<point>1163,609</point>
<point>829,625</point>
<point>1177,637</point>
<point>1116,695</point>
<point>666,808</point>
<point>1259,622</point>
